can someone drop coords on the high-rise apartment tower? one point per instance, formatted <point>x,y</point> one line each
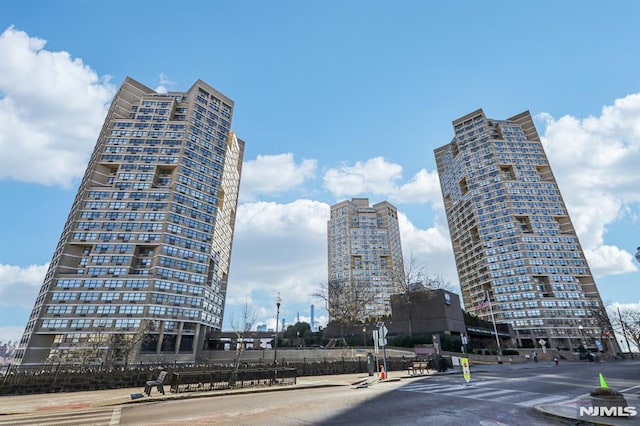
<point>365,259</point>
<point>142,263</point>
<point>512,236</point>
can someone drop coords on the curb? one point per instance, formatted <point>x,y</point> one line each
<point>213,394</point>
<point>547,410</point>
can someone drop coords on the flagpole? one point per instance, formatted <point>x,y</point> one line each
<point>495,330</point>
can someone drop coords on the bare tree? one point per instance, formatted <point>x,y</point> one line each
<point>627,324</point>
<point>82,349</point>
<point>408,283</point>
<point>437,283</point>
<point>100,347</point>
<point>348,303</point>
<point>598,326</point>
<point>417,280</point>
<point>241,329</point>
<point>124,346</point>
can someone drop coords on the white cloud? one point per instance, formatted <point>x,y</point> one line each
<point>430,247</point>
<point>595,162</point>
<point>51,110</point>
<point>279,248</point>
<point>633,306</point>
<point>273,174</point>
<point>610,260</point>
<point>20,286</point>
<point>379,177</point>
<point>424,187</point>
<point>164,82</point>
<point>374,176</point>
<point>10,333</point>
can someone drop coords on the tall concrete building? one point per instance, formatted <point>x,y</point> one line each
<point>512,235</point>
<point>365,259</point>
<point>143,259</point>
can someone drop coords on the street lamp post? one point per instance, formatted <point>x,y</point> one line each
<point>584,342</point>
<point>275,342</point>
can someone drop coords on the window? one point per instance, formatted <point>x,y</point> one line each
<point>80,323</point>
<point>64,296</point>
<point>88,296</point>
<point>68,283</point>
<point>54,323</point>
<point>110,296</point>
<point>134,296</point>
<point>131,309</point>
<point>85,309</point>
<point>59,309</point>
<point>106,309</point>
<point>127,323</point>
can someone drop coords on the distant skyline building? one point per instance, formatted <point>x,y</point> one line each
<point>312,318</point>
<point>365,255</point>
<point>512,236</point>
<point>146,247</point>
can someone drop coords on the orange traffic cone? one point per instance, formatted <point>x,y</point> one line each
<point>382,373</point>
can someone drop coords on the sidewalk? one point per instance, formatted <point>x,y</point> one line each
<point>24,404</point>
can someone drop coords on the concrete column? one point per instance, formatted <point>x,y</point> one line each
<point>160,338</point>
<point>179,337</point>
<point>197,346</point>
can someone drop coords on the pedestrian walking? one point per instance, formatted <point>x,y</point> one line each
<point>555,359</point>
<point>535,356</point>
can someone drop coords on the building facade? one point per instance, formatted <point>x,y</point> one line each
<point>427,312</point>
<point>142,263</point>
<point>513,238</point>
<point>365,260</point>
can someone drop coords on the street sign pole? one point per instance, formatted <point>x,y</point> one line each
<point>376,348</point>
<point>383,343</point>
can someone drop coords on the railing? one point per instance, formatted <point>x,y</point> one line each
<point>194,381</point>
<point>69,378</point>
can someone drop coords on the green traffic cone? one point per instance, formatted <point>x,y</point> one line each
<point>603,383</point>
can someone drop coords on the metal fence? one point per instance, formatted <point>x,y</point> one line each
<point>68,378</point>
<point>190,381</point>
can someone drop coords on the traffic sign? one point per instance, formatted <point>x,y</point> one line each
<point>383,331</point>
<point>466,371</point>
<point>543,344</point>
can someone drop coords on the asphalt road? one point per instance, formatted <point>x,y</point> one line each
<point>492,398</point>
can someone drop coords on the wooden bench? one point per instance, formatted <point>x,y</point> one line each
<point>419,367</point>
<point>159,383</point>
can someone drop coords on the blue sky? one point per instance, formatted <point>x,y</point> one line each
<point>334,99</point>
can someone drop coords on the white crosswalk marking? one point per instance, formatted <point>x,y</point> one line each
<point>483,390</point>
<point>542,400</point>
<point>492,392</point>
<point>115,416</point>
<point>106,417</point>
